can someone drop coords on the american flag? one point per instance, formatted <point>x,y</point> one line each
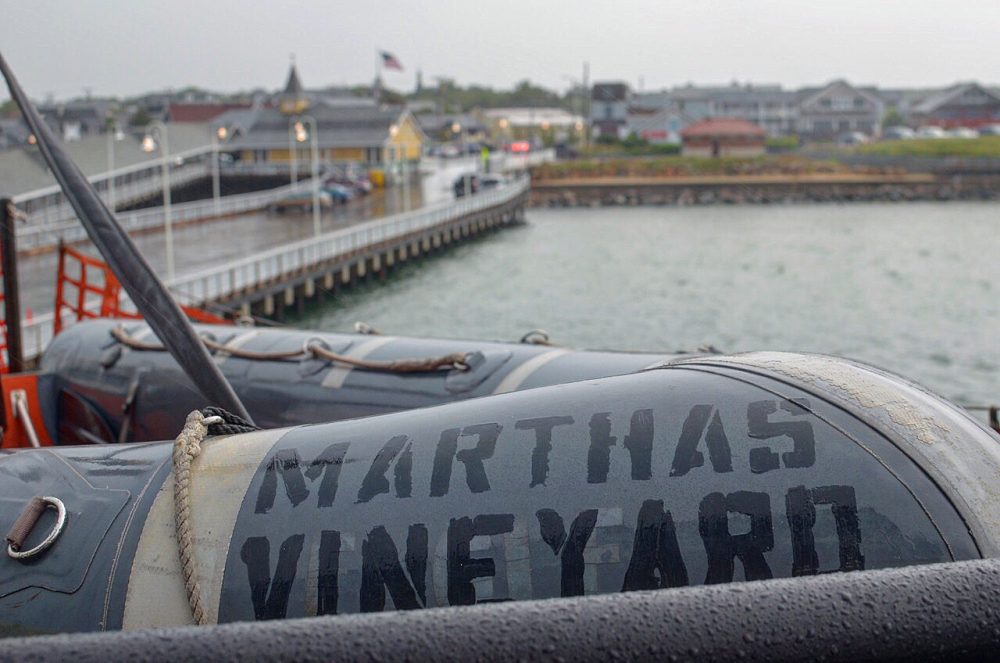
<point>389,61</point>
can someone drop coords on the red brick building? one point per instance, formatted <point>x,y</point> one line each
<point>723,137</point>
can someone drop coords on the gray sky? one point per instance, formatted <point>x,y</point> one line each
<point>124,47</point>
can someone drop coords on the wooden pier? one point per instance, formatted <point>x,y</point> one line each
<point>314,282</point>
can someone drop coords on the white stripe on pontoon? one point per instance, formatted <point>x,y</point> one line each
<point>514,379</point>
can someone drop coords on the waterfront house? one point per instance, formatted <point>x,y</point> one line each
<point>531,123</point>
<point>768,106</point>
<point>448,127</point>
<point>723,137</point>
<point>608,108</point>
<point>362,134</point>
<point>836,109</point>
<point>74,120</point>
<point>962,105</point>
<point>657,126</point>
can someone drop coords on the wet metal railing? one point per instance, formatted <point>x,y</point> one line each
<point>230,278</point>
<point>222,281</point>
<point>29,238</point>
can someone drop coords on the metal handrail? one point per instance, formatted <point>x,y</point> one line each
<point>228,278</point>
<point>71,231</point>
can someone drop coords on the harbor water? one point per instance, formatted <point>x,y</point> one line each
<point>913,288</point>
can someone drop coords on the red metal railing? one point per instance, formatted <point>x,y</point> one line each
<point>94,277</point>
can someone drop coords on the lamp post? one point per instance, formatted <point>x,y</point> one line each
<point>401,151</point>
<point>293,157</point>
<point>300,136</point>
<point>219,134</point>
<point>114,134</point>
<point>158,129</point>
<point>504,124</point>
<point>456,128</point>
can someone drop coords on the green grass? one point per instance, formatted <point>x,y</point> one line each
<point>782,143</point>
<point>675,165</point>
<point>984,146</point>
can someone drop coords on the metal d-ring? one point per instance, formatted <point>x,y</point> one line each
<point>50,503</point>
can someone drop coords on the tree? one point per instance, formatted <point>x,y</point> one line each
<point>140,118</point>
<point>893,118</point>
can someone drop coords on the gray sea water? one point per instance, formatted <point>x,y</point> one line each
<point>913,288</point>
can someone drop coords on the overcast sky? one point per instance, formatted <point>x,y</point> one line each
<point>124,47</point>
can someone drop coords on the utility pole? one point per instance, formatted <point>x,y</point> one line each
<point>586,114</point>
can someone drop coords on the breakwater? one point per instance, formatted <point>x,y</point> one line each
<point>761,189</point>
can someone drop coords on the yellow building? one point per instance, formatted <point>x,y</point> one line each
<point>362,133</point>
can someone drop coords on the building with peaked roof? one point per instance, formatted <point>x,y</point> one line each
<point>961,105</point>
<point>360,133</point>
<point>658,126</point>
<point>723,137</point>
<point>608,108</point>
<point>76,119</point>
<point>293,99</point>
<point>838,108</point>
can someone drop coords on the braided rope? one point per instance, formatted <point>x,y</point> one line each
<point>456,360</point>
<point>187,447</point>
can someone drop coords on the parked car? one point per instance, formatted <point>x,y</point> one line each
<point>356,186</point>
<point>490,182</point>
<point>338,192</point>
<point>301,201</point>
<point>852,138</point>
<point>962,132</point>
<point>898,133</point>
<point>931,132</point>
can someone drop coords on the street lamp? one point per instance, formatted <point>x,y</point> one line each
<point>401,151</point>
<point>159,130</point>
<point>456,128</point>
<point>219,134</point>
<point>300,136</point>
<point>293,157</point>
<point>114,134</point>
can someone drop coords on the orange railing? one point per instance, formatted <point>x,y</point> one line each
<point>92,277</point>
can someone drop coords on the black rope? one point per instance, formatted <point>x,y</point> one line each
<point>231,424</point>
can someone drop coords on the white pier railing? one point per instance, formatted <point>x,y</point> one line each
<point>222,281</point>
<point>29,237</point>
<point>227,279</point>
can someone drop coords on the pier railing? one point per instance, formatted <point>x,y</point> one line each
<point>225,280</point>
<point>29,238</point>
<point>230,278</point>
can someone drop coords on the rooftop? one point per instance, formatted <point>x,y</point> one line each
<point>722,126</point>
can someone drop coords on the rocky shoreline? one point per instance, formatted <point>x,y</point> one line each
<point>551,194</point>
